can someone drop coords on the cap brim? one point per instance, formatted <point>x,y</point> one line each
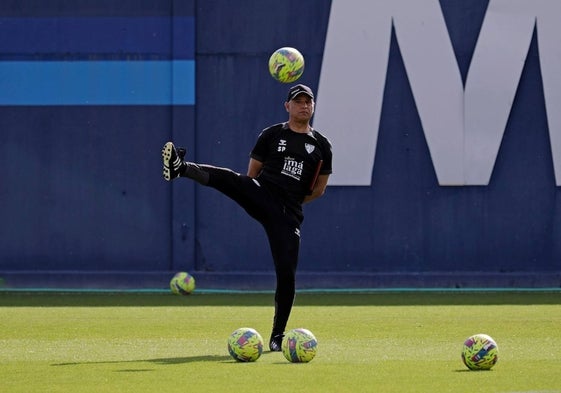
<point>300,93</point>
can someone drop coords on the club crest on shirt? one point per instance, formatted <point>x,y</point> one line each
<point>309,148</point>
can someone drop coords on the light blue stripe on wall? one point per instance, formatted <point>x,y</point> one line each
<point>97,82</point>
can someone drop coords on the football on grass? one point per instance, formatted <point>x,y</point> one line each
<point>299,345</point>
<point>182,283</point>
<point>480,352</point>
<point>286,64</point>
<point>245,345</point>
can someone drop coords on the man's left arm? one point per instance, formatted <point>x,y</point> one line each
<point>319,188</point>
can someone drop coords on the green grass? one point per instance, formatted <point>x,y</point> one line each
<point>377,342</point>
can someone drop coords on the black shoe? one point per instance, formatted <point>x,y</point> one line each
<point>181,151</point>
<point>275,344</point>
<point>173,161</point>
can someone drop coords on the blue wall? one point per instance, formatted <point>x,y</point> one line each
<point>81,187</point>
<point>90,105</point>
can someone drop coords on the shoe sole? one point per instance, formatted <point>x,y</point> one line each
<point>166,157</point>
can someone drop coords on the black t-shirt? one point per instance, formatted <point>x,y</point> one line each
<point>290,159</point>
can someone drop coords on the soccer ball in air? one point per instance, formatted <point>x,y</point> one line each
<point>299,346</point>
<point>480,352</point>
<point>245,345</point>
<point>182,283</point>
<point>286,64</point>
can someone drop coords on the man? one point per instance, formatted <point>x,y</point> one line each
<point>289,165</point>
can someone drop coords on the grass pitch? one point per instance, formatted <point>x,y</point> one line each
<point>376,342</point>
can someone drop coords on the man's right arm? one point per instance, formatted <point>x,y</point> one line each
<point>254,168</point>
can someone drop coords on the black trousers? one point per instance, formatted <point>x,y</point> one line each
<point>281,225</point>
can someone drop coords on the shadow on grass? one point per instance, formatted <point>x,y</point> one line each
<point>408,298</point>
<point>159,361</point>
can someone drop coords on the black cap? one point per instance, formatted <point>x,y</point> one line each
<point>299,89</point>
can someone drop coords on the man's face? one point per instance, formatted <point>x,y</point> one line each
<point>301,107</point>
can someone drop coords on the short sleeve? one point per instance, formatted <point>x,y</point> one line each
<point>261,150</point>
<point>327,166</point>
